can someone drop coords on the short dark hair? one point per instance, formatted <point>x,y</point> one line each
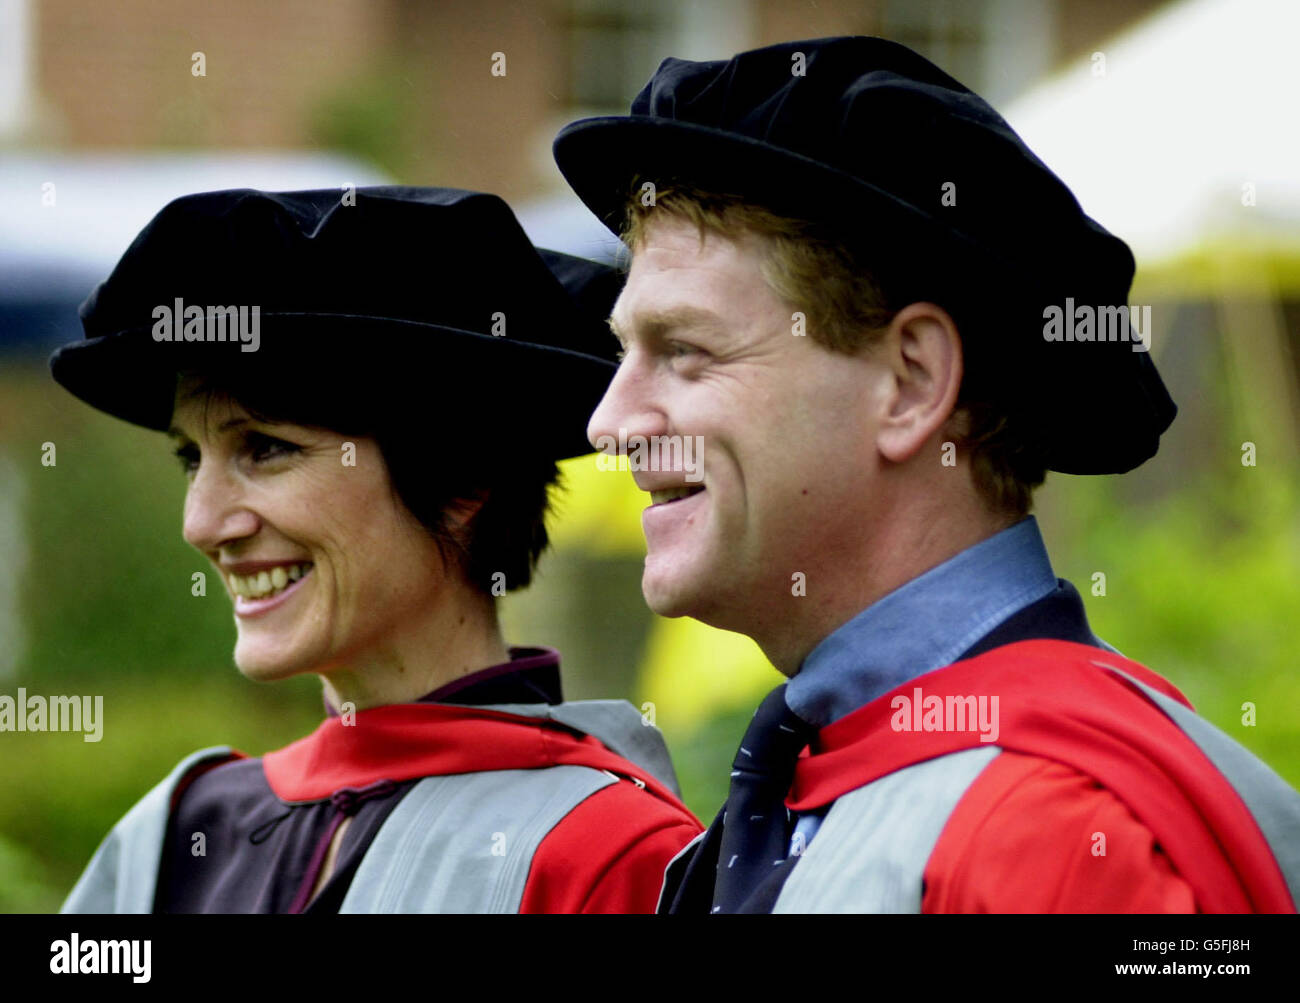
<point>506,536</point>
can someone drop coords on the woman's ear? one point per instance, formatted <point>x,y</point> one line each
<point>461,510</point>
<point>922,349</point>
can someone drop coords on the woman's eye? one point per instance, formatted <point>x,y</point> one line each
<point>265,447</point>
<point>189,457</point>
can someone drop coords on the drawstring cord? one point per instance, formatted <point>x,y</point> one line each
<point>346,802</point>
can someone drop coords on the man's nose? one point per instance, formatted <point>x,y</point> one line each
<point>629,408</point>
<point>216,511</point>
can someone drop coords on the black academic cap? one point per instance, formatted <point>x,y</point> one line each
<point>887,151</point>
<point>426,303</point>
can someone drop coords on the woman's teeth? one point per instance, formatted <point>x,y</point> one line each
<point>267,583</point>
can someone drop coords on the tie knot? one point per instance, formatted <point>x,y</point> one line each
<point>774,737</point>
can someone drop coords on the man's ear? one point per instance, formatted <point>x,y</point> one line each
<point>922,350</point>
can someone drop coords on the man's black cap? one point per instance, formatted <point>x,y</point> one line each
<point>867,137</point>
<point>425,303</point>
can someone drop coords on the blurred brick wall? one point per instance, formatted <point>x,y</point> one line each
<point>780,20</point>
<point>119,74</point>
<point>1083,25</point>
<point>478,128</point>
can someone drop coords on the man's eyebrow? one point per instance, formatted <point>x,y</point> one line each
<point>656,322</point>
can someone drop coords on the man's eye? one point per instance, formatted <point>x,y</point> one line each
<point>266,447</point>
<point>678,350</point>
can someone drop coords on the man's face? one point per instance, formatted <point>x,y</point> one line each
<point>787,429</point>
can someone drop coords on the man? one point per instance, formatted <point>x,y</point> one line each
<point>844,271</point>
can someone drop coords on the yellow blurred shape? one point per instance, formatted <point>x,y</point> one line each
<point>692,671</point>
<point>599,511</point>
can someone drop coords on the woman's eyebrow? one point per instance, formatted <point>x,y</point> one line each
<point>229,423</point>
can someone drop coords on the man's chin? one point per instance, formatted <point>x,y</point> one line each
<point>670,596</point>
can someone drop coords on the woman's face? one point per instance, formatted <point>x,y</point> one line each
<point>325,566</point>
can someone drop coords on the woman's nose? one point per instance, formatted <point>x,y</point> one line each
<point>216,510</point>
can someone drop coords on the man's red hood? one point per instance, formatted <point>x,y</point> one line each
<point>1058,700</point>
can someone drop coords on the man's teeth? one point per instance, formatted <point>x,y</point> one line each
<point>266,583</point>
<point>672,494</point>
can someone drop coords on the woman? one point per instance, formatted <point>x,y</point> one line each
<point>368,396</point>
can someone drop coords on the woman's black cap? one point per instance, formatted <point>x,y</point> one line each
<point>872,141</point>
<point>430,303</point>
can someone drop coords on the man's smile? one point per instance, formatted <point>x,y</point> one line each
<point>668,495</point>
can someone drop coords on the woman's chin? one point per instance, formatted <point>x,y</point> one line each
<point>268,667</point>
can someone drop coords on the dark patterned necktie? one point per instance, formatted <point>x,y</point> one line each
<point>756,825</point>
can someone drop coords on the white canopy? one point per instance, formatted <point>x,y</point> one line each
<point>1195,102</point>
<point>102,200</point>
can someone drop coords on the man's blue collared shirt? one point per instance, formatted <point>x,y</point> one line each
<point>919,627</point>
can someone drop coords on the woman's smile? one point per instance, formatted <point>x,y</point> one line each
<point>265,585</point>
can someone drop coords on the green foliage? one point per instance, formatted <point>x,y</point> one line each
<point>1202,588</point>
<point>703,757</point>
<point>63,794</point>
<point>374,117</point>
<point>108,577</point>
<point>24,885</point>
